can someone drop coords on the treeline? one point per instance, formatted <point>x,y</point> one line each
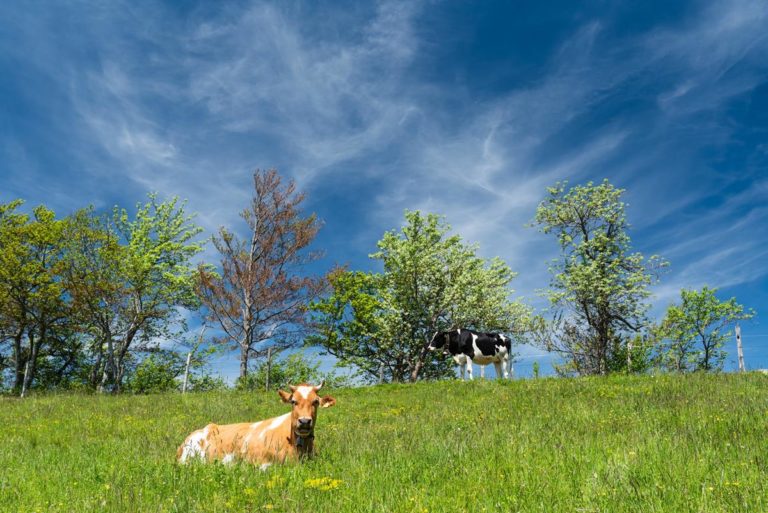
<point>80,296</point>
<point>91,300</point>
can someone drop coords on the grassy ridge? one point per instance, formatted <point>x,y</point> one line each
<point>690,443</point>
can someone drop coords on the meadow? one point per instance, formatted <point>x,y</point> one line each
<point>666,443</point>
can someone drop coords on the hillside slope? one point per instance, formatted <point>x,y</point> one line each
<point>672,443</point>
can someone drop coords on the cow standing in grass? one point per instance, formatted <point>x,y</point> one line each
<point>467,347</point>
<point>288,437</point>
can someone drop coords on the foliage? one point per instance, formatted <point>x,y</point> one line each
<point>158,372</point>
<point>598,289</point>
<point>634,356</point>
<point>80,294</point>
<point>292,370</point>
<point>380,323</point>
<point>695,331</point>
<point>615,444</point>
<point>34,310</point>
<point>206,382</point>
<point>156,277</point>
<point>259,298</point>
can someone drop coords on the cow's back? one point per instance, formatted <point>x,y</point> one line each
<point>258,442</point>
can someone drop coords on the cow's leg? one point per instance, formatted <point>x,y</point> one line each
<point>463,370</point>
<point>469,368</point>
<point>499,366</point>
<point>482,371</point>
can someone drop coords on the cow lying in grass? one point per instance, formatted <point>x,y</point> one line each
<point>288,437</point>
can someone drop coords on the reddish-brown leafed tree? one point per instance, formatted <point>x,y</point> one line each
<point>259,298</point>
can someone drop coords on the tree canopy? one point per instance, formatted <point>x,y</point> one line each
<point>259,298</point>
<point>694,331</point>
<point>380,323</point>
<point>599,288</point>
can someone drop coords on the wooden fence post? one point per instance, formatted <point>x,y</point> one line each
<point>189,360</point>
<point>739,348</point>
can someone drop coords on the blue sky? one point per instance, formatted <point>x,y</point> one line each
<point>465,109</point>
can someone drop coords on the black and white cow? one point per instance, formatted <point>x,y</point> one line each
<point>467,347</point>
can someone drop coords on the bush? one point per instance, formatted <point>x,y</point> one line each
<point>206,383</point>
<point>289,371</point>
<point>156,373</point>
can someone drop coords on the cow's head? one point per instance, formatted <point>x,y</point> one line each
<point>305,402</point>
<point>439,340</point>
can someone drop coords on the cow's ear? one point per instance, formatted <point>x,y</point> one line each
<point>285,396</point>
<point>327,401</point>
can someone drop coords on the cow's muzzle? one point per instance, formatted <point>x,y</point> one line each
<point>304,426</point>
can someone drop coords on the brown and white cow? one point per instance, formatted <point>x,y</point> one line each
<point>287,437</point>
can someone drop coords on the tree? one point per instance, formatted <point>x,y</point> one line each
<point>13,315</point>
<point>94,279</point>
<point>381,323</point>
<point>34,309</point>
<point>260,297</point>
<point>128,278</point>
<point>156,278</point>
<point>693,333</point>
<point>599,288</point>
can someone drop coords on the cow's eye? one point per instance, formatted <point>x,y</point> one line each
<point>293,401</point>
<point>315,402</point>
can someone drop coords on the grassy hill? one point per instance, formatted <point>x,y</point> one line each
<point>672,443</point>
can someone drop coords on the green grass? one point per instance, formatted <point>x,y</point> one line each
<point>690,443</point>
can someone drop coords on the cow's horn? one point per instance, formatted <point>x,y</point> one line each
<point>318,387</point>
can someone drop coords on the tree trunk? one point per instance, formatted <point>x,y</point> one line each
<point>417,368</point>
<point>243,362</point>
<point>63,368</point>
<point>120,368</point>
<point>186,373</point>
<point>97,370</point>
<point>19,362</point>
<point>119,362</point>
<point>109,367</point>
<point>31,367</point>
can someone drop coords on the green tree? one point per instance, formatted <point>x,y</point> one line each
<point>694,332</point>
<point>94,279</point>
<point>156,275</point>
<point>599,288</point>
<point>13,315</point>
<point>128,278</point>
<point>381,323</point>
<point>34,310</point>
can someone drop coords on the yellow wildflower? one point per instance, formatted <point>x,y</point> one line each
<point>323,483</point>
